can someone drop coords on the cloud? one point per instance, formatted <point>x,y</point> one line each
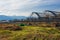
<point>23,7</point>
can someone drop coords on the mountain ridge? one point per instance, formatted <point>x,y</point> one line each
<point>3,17</point>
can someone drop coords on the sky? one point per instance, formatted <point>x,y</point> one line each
<point>26,7</point>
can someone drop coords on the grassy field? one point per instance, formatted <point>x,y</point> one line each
<point>31,33</point>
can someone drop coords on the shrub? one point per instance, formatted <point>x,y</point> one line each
<point>21,24</point>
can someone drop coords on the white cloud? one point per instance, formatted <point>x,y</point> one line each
<point>9,7</point>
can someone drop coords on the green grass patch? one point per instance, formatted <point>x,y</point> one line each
<point>32,33</point>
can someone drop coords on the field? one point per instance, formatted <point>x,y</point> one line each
<point>31,33</point>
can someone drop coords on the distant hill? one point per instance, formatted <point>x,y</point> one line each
<point>3,17</point>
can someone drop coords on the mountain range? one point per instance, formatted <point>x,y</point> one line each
<point>3,17</point>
